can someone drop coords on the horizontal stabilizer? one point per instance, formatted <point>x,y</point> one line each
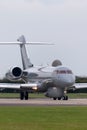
<point>21,41</point>
<point>28,43</point>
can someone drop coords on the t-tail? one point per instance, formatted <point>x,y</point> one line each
<point>25,60</point>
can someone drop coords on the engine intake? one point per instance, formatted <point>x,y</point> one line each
<point>14,73</point>
<point>17,72</point>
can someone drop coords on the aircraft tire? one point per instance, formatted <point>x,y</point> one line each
<point>21,95</point>
<point>26,95</point>
<point>65,97</point>
<point>54,98</point>
<point>59,98</point>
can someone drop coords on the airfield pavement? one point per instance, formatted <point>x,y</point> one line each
<point>42,102</point>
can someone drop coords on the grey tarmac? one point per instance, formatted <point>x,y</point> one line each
<point>43,102</point>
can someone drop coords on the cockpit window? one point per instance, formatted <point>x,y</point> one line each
<point>63,71</point>
<point>69,71</point>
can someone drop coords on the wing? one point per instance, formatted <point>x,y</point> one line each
<point>80,85</point>
<point>27,86</point>
<point>10,85</point>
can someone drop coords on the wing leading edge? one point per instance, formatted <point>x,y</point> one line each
<point>18,86</point>
<point>80,85</point>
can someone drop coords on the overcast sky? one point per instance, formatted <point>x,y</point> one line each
<point>63,22</point>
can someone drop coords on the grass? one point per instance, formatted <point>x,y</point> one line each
<point>43,118</point>
<point>77,95</point>
<point>17,95</point>
<point>9,95</point>
<point>40,95</point>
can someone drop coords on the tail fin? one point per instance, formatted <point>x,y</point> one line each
<point>25,60</point>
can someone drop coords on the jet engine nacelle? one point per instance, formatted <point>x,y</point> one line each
<point>14,73</point>
<point>56,63</point>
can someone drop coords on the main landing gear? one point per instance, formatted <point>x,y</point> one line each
<point>24,95</point>
<point>65,97</point>
<point>61,98</point>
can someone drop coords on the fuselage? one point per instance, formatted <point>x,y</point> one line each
<point>61,76</point>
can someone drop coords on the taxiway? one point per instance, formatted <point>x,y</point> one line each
<point>43,102</point>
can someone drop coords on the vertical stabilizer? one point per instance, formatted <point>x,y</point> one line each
<point>25,60</point>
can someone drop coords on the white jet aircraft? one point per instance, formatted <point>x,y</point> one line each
<point>51,80</point>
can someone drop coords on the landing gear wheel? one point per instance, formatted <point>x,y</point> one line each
<point>21,95</point>
<point>54,98</point>
<point>59,98</point>
<point>65,97</point>
<point>26,95</point>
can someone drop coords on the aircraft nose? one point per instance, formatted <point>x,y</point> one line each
<point>69,81</point>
